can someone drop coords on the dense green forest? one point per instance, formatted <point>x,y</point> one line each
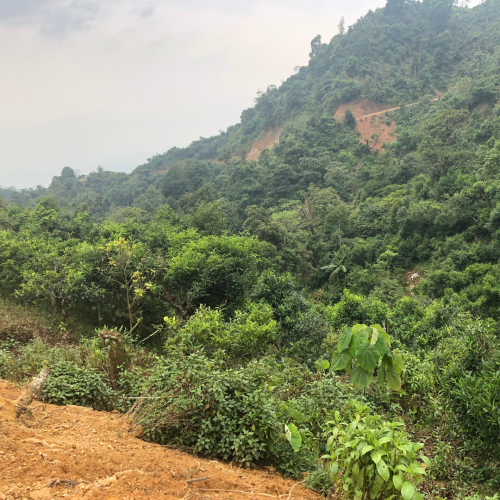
<point>238,290</point>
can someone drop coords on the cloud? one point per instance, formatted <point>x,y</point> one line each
<point>50,17</point>
<point>86,80</point>
<point>77,16</point>
<point>147,10</point>
<point>15,9</point>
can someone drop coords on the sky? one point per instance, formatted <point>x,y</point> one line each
<point>88,83</point>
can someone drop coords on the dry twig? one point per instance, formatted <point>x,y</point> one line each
<point>197,479</point>
<point>238,491</point>
<point>291,489</point>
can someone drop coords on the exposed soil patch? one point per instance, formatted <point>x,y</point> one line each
<point>361,108</point>
<point>268,141</point>
<point>75,452</point>
<point>376,130</point>
<point>375,127</point>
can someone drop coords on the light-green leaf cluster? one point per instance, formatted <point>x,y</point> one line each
<point>373,459</point>
<point>361,350</point>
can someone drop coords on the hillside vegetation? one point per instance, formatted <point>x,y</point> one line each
<point>233,280</point>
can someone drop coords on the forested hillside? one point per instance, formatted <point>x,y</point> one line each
<point>242,270</point>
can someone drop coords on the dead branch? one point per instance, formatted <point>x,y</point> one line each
<point>291,489</point>
<point>238,491</point>
<point>67,482</point>
<point>32,391</point>
<point>197,479</point>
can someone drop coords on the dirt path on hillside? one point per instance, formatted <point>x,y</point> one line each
<point>395,109</point>
<point>375,133</point>
<point>75,452</point>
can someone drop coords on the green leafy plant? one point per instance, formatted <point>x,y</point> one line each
<point>362,349</point>
<point>370,458</point>
<point>322,365</point>
<point>70,384</point>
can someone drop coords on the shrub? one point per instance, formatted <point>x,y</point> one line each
<point>353,309</point>
<point>476,400</point>
<point>239,414</point>
<point>250,333</point>
<point>25,361</point>
<point>18,326</point>
<point>303,328</point>
<point>417,327</point>
<point>371,458</point>
<point>70,384</point>
<point>225,414</point>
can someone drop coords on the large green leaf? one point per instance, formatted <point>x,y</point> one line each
<point>376,456</point>
<point>407,490</point>
<point>398,481</point>
<point>358,337</point>
<point>322,364</point>
<point>392,377</point>
<point>340,361</point>
<point>361,378</point>
<point>398,360</point>
<point>381,346</point>
<point>358,327</point>
<point>293,436</point>
<point>334,468</point>
<point>383,470</point>
<point>367,356</point>
<point>295,414</point>
<point>366,449</point>
<point>345,340</point>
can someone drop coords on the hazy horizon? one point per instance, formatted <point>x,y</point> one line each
<point>115,82</point>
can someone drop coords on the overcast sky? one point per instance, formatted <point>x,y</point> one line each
<point>111,82</point>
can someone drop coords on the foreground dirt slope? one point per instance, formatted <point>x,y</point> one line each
<point>95,455</point>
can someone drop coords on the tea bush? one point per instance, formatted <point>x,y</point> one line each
<point>251,333</point>
<point>229,414</point>
<point>69,384</point>
<point>476,401</point>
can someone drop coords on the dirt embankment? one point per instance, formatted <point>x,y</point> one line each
<point>74,452</point>
<point>268,141</point>
<point>372,122</point>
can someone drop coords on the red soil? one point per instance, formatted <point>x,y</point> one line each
<point>371,119</point>
<point>96,455</point>
<point>268,141</point>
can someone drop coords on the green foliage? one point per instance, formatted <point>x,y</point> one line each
<point>361,349</point>
<point>354,309</point>
<point>214,271</point>
<point>249,334</point>
<point>476,400</point>
<point>303,327</point>
<point>372,458</point>
<point>242,276</point>
<point>69,384</point>
<point>227,414</point>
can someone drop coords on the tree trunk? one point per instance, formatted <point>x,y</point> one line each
<point>182,311</point>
